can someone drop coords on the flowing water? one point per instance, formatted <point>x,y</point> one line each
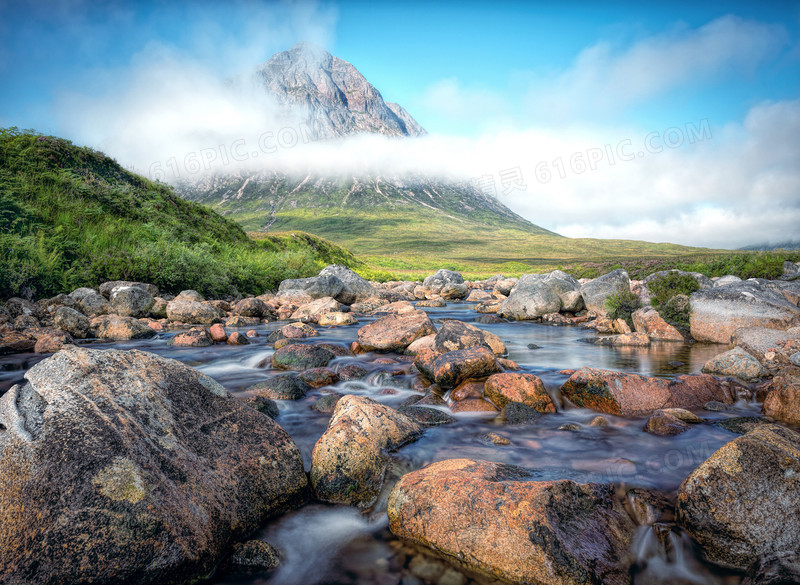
<point>334,544</point>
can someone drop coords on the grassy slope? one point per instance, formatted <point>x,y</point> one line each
<point>71,216</point>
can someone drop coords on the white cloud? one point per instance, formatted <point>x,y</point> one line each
<point>603,79</point>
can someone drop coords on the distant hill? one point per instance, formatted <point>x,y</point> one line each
<point>766,247</point>
<point>71,216</point>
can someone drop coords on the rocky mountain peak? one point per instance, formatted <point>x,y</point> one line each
<point>333,97</point>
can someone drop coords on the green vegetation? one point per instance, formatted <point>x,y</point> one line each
<point>669,295</point>
<point>621,305</point>
<point>71,216</point>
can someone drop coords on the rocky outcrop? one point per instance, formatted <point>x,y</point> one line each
<point>349,460</point>
<point>740,505</point>
<point>128,467</point>
<point>716,313</point>
<point>626,394</point>
<point>497,520</point>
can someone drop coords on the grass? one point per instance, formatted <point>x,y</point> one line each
<point>71,216</point>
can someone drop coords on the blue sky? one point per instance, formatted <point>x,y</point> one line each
<point>498,85</point>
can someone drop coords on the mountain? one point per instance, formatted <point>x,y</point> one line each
<point>766,247</point>
<point>337,100</point>
<point>70,216</point>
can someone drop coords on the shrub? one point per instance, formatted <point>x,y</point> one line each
<point>663,288</point>
<point>621,305</point>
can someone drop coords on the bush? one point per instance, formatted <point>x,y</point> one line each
<point>663,288</point>
<point>621,305</point>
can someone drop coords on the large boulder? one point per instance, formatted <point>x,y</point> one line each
<point>454,367</point>
<point>741,504</point>
<point>130,301</point>
<point>442,278</point>
<point>453,335</point>
<point>93,304</point>
<point>783,401</point>
<point>625,394</point>
<point>300,356</point>
<point>75,323</point>
<point>251,307</point>
<point>499,520</point>
<point>395,332</point>
<point>737,363</point>
<point>596,292</point>
<point>349,460</point>
<point>716,313</point>
<point>116,328</point>
<point>125,467</point>
<point>759,340</point>
<point>526,389</point>
<point>194,312</point>
<point>316,287</point>
<point>535,295</point>
<point>357,286</point>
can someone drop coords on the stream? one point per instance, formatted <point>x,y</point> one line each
<point>321,544</point>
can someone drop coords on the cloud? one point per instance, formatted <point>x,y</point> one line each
<point>605,79</point>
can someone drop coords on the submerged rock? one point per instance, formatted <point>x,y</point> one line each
<point>494,518</point>
<point>301,356</point>
<point>128,467</point>
<point>740,505</point>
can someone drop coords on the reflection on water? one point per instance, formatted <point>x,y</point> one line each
<point>322,544</point>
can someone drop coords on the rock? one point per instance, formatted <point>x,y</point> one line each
<point>125,467</point>
<point>624,340</point>
<point>741,503</point>
<point>783,401</point>
<point>473,405</point>
<point>684,415</point>
<point>93,304</point>
<point>316,287</point>
<point>237,338</point>
<point>395,332</point>
<point>351,372</point>
<point>496,520</point>
<point>17,306</point>
<point>737,363</point>
<point>757,341</point>
<point>489,307</point>
<point>311,312</point>
<point>262,404</point>
<point>596,292</point>
<point>741,424</point>
<point>25,322</point>
<point>718,312</point>
<point>116,328</point>
<point>251,308</point>
<point>326,404</point>
<point>426,415</point>
<point>189,295</point>
<point>505,285</point>
<point>454,367</point>
<point>453,335</point>
<point>488,319</point>
<point>336,319</point>
<point>254,556</point>
<point>781,568</point>
<point>80,293</point>
<point>15,342</point>
<point>648,321</point>
<point>299,357</point>
<point>359,288</point>
<point>432,303</point>
<point>73,322</point>
<point>62,300</point>
<point>108,287</point>
<point>443,278</point>
<point>130,301</point>
<point>526,389</point>
<point>454,291</point>
<point>195,337</point>
<point>194,312</point>
<point>791,270</point>
<point>218,333</point>
<point>349,460</point>
<point>516,413</point>
<point>281,387</point>
<point>715,406</point>
<point>477,296</point>
<point>665,424</point>
<point>398,308</point>
<point>571,301</point>
<point>319,377</point>
<point>52,341</point>
<point>633,395</point>
<point>422,342</point>
<point>534,295</point>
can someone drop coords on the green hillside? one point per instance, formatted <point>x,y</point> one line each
<point>71,216</point>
